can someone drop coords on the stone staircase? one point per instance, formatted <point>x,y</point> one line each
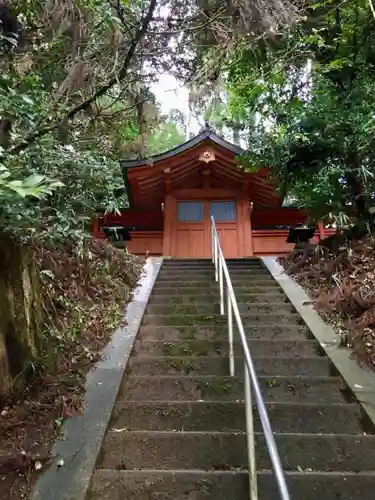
<point>178,427</point>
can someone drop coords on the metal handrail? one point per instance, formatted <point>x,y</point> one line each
<point>251,379</point>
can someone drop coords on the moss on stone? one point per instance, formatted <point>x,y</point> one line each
<point>191,348</point>
<point>181,365</point>
<point>217,386</point>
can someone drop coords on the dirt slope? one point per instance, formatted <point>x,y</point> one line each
<point>341,283</point>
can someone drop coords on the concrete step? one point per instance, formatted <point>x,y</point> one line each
<point>171,290</point>
<point>199,275</point>
<point>240,279</point>
<point>221,450</point>
<point>257,331</point>
<point>218,319</point>
<point>221,348</point>
<point>209,271</point>
<point>322,485</point>
<point>276,297</point>
<point>214,308</point>
<point>227,485</point>
<point>187,287</point>
<point>210,265</point>
<point>187,416</point>
<point>208,262</point>
<point>190,365</point>
<point>208,268</point>
<point>178,425</point>
<point>285,389</point>
<point>230,416</point>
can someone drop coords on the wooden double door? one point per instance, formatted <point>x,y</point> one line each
<point>192,230</point>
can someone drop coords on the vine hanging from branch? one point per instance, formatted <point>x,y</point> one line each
<point>259,16</point>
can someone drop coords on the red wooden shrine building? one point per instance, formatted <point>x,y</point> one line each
<point>173,194</point>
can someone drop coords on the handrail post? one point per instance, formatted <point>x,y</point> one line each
<point>216,258</point>
<point>251,380</point>
<point>250,437</point>
<point>230,334</point>
<point>221,286</point>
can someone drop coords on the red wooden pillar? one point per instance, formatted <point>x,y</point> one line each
<point>249,210</point>
<point>244,227</point>
<point>170,217</point>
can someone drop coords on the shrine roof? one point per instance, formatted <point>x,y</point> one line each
<point>206,159</point>
<point>204,135</point>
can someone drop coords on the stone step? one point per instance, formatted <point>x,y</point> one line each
<point>186,287</point>
<point>209,271</point>
<point>210,265</point>
<point>227,485</point>
<point>240,279</point>
<point>208,262</point>
<point>218,319</point>
<point>200,275</point>
<point>258,331</point>
<point>230,416</point>
<point>190,365</point>
<point>208,298</point>
<point>171,289</point>
<point>322,485</point>
<point>286,389</point>
<point>214,308</point>
<point>269,348</point>
<point>221,450</point>
<point>178,425</point>
<point>207,268</point>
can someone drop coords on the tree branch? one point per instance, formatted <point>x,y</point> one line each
<point>31,138</point>
<point>119,9</point>
<point>200,27</point>
<point>372,7</point>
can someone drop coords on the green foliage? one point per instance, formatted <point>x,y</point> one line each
<point>74,96</point>
<point>85,181</point>
<point>33,185</point>
<point>307,98</point>
<point>59,144</point>
<point>165,137</point>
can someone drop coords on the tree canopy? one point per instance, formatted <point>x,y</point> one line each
<point>75,97</point>
<point>293,79</point>
<point>305,97</point>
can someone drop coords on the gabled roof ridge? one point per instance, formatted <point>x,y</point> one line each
<point>194,141</point>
